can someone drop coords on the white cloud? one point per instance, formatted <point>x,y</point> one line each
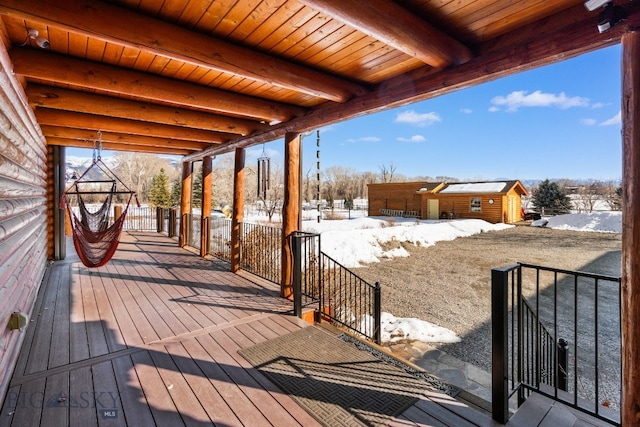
<point>414,138</point>
<point>597,105</point>
<point>615,120</point>
<point>521,98</point>
<point>466,110</point>
<point>364,139</point>
<point>493,109</point>
<point>418,119</point>
<point>589,122</point>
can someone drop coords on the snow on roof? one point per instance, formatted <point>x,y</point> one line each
<point>475,187</point>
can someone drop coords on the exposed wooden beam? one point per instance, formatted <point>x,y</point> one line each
<point>127,28</point>
<point>79,73</point>
<point>82,102</point>
<point>406,32</point>
<point>568,34</point>
<point>117,147</point>
<point>121,138</point>
<point>46,116</point>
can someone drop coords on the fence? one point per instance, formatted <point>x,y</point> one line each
<point>220,238</point>
<point>260,250</point>
<point>138,218</point>
<point>194,238</point>
<point>342,296</point>
<point>550,331</point>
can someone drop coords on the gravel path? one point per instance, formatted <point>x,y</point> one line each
<point>449,283</point>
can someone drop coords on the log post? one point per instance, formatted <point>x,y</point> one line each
<point>185,203</point>
<point>290,208</point>
<point>205,230</point>
<point>238,208</point>
<point>630,303</point>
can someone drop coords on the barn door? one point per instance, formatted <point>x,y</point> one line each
<point>433,208</point>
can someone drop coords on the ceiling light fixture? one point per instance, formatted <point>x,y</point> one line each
<point>33,34</point>
<point>609,16</point>
<point>592,5</point>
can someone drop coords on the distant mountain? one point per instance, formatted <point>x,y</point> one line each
<point>76,166</point>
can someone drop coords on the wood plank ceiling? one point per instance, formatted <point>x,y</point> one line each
<point>202,77</point>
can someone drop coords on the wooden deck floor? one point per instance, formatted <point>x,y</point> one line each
<point>152,339</point>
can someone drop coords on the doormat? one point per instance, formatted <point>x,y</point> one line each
<point>334,381</point>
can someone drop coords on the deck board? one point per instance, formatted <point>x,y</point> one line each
<point>134,403</point>
<point>152,339</point>
<point>59,354</point>
<point>81,385</point>
<point>78,339</point>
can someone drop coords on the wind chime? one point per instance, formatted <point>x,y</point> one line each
<point>264,174</point>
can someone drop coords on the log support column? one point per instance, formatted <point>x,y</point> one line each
<point>290,208</point>
<point>238,208</point>
<point>205,226</point>
<point>631,229</point>
<point>185,204</point>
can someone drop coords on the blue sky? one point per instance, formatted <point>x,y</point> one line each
<point>559,121</point>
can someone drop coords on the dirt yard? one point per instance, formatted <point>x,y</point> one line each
<point>449,283</point>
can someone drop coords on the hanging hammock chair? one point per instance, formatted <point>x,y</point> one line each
<point>94,239</point>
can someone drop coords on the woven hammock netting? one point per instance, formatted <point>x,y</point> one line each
<point>94,238</point>
<point>95,241</point>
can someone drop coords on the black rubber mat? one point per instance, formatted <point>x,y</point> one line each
<point>337,383</point>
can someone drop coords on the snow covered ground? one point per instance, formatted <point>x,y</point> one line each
<point>353,242</point>
<point>605,222</point>
<point>368,239</point>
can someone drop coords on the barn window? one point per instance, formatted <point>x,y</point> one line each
<point>476,204</point>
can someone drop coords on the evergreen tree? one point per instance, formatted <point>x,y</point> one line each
<point>551,198</point>
<point>176,192</point>
<point>196,189</point>
<point>159,194</point>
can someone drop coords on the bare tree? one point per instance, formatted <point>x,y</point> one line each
<point>272,200</point>
<point>613,195</point>
<point>309,185</point>
<point>387,172</point>
<point>137,170</point>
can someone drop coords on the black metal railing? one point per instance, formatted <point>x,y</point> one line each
<point>551,329</point>
<point>307,289</point>
<point>220,238</point>
<point>338,294</point>
<point>342,296</point>
<point>195,226</point>
<point>260,250</point>
<point>140,219</point>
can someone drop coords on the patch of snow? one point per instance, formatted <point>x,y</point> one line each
<point>365,240</point>
<point>603,222</point>
<point>396,329</point>
<point>542,222</point>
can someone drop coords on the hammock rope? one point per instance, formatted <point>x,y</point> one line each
<point>95,248</point>
<point>99,220</point>
<point>94,239</point>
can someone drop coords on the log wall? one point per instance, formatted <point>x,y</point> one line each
<point>460,204</point>
<point>399,196</point>
<point>23,213</point>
